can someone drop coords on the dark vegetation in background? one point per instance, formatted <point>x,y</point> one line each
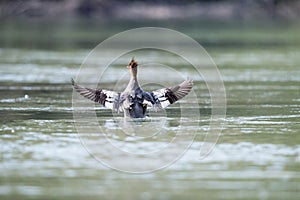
<point>153,9</point>
<point>68,24</point>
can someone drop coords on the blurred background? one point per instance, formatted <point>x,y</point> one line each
<point>57,24</point>
<point>254,43</point>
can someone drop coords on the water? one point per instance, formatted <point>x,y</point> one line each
<point>257,156</point>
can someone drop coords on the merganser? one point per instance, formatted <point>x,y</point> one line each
<point>134,101</point>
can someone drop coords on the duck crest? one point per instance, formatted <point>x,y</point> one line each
<point>133,63</point>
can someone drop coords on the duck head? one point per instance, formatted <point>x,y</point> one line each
<point>132,66</point>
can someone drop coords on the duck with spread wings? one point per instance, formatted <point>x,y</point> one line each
<point>134,101</point>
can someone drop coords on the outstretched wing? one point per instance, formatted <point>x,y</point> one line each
<point>163,97</point>
<point>109,99</point>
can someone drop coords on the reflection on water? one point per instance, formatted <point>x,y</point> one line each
<point>258,156</point>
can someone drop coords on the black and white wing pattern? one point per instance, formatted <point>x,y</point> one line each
<point>163,97</point>
<point>108,99</point>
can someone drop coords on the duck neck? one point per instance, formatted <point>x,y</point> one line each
<point>133,83</point>
<point>133,73</point>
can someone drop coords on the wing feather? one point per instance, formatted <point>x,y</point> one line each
<point>164,97</point>
<point>107,98</point>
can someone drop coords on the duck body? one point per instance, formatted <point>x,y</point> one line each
<point>134,101</point>
<point>136,108</point>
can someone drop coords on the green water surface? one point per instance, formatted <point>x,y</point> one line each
<point>256,157</point>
